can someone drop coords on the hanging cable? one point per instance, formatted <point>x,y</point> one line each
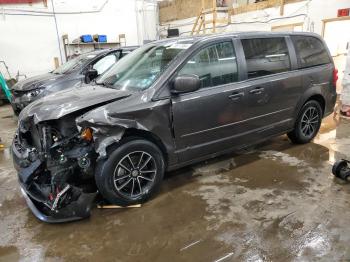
<point>58,37</point>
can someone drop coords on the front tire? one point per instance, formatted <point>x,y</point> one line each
<point>307,124</point>
<point>132,173</point>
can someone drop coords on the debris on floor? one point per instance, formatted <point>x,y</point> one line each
<point>115,206</point>
<point>341,169</point>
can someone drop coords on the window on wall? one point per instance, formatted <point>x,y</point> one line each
<point>266,56</point>
<point>215,65</point>
<point>310,51</point>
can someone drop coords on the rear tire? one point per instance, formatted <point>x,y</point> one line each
<point>132,173</point>
<point>307,124</point>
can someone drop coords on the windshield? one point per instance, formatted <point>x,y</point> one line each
<point>140,69</point>
<point>74,63</point>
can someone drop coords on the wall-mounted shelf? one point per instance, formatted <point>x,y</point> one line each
<point>88,46</point>
<point>95,43</point>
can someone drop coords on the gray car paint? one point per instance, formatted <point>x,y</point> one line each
<point>174,121</point>
<point>68,101</point>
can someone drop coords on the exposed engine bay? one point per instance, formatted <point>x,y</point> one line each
<point>61,140</point>
<point>57,166</point>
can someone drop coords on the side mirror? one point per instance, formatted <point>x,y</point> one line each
<point>90,75</point>
<point>186,83</point>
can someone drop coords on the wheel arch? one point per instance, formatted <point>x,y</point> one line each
<point>308,96</point>
<point>133,133</point>
<point>320,99</point>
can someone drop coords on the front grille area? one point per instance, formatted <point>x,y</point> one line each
<point>29,135</point>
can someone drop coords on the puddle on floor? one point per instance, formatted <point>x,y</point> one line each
<point>276,202</point>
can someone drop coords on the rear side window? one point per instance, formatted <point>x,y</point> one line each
<point>215,65</point>
<point>266,56</point>
<point>310,51</point>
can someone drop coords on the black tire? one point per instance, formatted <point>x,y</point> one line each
<point>305,131</point>
<point>338,166</point>
<point>112,174</point>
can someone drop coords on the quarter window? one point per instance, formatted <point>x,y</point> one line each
<point>215,65</point>
<point>310,51</point>
<point>266,56</point>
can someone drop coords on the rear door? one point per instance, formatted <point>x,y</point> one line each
<point>209,120</point>
<point>274,88</point>
<point>315,66</point>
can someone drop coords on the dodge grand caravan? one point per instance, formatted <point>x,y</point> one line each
<point>166,105</point>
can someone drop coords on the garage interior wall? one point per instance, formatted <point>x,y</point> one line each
<point>310,13</point>
<point>29,40</point>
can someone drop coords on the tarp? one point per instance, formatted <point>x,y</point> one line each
<point>5,88</point>
<point>345,94</point>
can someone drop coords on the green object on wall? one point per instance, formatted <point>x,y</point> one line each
<point>5,88</point>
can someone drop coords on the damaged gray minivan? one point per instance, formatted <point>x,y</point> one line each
<point>168,104</point>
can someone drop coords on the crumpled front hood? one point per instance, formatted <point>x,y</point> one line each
<point>36,81</point>
<point>68,101</point>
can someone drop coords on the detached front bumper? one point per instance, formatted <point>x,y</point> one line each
<point>27,170</point>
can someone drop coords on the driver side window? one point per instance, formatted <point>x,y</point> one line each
<point>214,65</point>
<point>105,63</point>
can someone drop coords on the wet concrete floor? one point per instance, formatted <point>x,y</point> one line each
<point>276,202</point>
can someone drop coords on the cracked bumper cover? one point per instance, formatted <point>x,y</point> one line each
<point>76,210</point>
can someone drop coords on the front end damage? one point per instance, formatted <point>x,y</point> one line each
<point>60,140</point>
<point>55,164</point>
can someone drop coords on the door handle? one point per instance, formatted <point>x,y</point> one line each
<point>236,96</point>
<point>257,91</point>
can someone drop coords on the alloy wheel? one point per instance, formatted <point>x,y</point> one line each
<point>135,174</point>
<point>310,121</point>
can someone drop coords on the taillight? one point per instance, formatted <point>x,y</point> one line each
<point>335,77</point>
